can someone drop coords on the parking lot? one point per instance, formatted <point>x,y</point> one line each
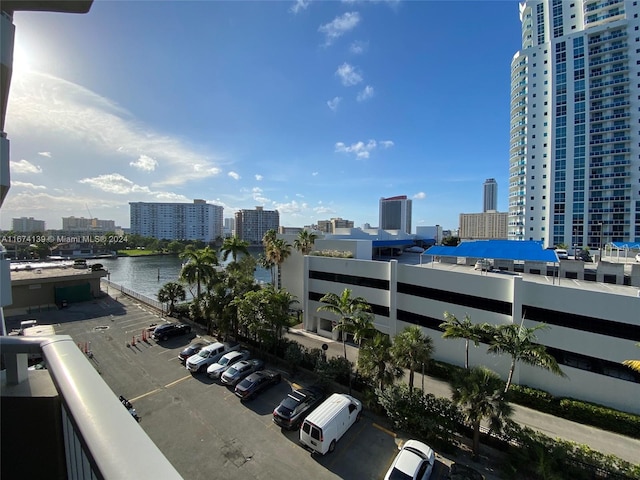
<point>201,426</point>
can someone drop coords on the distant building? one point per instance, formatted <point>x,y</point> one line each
<point>487,225</point>
<point>490,200</point>
<point>177,221</point>
<point>289,230</point>
<point>329,226</point>
<point>395,213</point>
<point>27,225</point>
<point>251,225</point>
<point>427,233</point>
<point>70,224</point>
<point>229,227</point>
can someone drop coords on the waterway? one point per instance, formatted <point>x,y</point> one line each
<point>147,274</point>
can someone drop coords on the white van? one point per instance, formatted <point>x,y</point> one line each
<point>322,429</point>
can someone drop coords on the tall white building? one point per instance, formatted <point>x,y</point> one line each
<point>574,165</point>
<point>395,213</point>
<point>177,221</point>
<point>27,225</point>
<point>486,225</point>
<point>490,197</point>
<point>251,225</point>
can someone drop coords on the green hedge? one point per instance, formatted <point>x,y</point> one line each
<point>576,410</point>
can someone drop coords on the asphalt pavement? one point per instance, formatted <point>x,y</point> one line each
<point>602,441</point>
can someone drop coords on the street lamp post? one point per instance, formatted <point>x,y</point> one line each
<point>601,232</point>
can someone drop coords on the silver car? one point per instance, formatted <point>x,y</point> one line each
<point>227,360</point>
<point>237,372</point>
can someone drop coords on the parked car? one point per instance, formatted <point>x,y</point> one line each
<point>562,254</point>
<point>257,382</point>
<point>638,257</point>
<point>584,256</point>
<point>235,373</point>
<point>228,359</point>
<point>414,461</point>
<point>322,429</point>
<point>168,330</point>
<point>209,355</point>
<point>298,404</point>
<point>191,350</point>
<point>483,264</point>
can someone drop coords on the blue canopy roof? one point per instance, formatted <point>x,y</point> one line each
<point>626,245</point>
<point>497,250</point>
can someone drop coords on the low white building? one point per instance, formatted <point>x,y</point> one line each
<point>593,326</point>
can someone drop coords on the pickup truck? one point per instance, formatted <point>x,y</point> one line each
<point>209,355</point>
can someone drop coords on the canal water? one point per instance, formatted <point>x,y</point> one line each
<point>147,274</point>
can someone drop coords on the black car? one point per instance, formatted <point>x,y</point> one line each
<point>255,383</point>
<point>298,404</point>
<point>164,332</point>
<point>191,350</point>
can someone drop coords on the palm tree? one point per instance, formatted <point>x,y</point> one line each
<point>454,328</point>
<point>234,246</point>
<point>304,242</point>
<point>520,342</point>
<point>345,308</point>
<point>361,327</point>
<point>171,292</point>
<point>411,349</point>
<point>199,266</point>
<point>269,237</point>
<point>375,360</point>
<point>479,392</point>
<point>633,364</point>
<point>277,252</point>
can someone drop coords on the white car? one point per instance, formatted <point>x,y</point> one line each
<point>228,359</point>
<point>638,257</point>
<point>414,462</point>
<point>483,264</point>
<point>209,355</point>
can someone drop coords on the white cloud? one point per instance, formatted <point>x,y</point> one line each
<point>256,193</point>
<point>420,196</point>
<point>291,208</point>
<point>365,94</point>
<point>45,103</point>
<point>24,166</point>
<point>234,175</point>
<point>339,26</point>
<point>358,47</point>
<point>120,185</point>
<point>314,174</point>
<point>259,177</point>
<point>333,103</point>
<point>299,5</point>
<point>349,76</point>
<point>360,149</point>
<point>145,163</point>
<point>45,154</point>
<point>322,210</point>
<point>27,185</point>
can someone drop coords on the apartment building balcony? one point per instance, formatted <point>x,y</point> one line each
<point>611,59</point>
<point>599,73</point>
<point>610,175</point>
<point>601,39</point>
<point>596,96</point>
<point>614,128</point>
<point>600,153</point>
<point>624,103</point>
<point>608,83</point>
<point>609,163</point>
<point>603,141</point>
<point>65,422</point>
<point>616,116</point>
<point>611,48</point>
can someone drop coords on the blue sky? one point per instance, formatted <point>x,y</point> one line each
<point>314,108</point>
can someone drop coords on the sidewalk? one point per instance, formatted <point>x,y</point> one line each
<point>602,441</point>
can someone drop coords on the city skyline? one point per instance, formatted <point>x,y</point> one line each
<point>315,109</point>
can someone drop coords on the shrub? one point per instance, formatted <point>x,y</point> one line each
<point>335,369</point>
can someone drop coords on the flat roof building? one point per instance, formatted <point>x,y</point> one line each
<point>395,213</point>
<point>485,225</point>
<point>177,221</point>
<point>251,225</point>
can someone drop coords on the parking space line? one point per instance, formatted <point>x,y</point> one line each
<point>178,381</point>
<point>346,447</point>
<point>387,431</point>
<point>145,394</point>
